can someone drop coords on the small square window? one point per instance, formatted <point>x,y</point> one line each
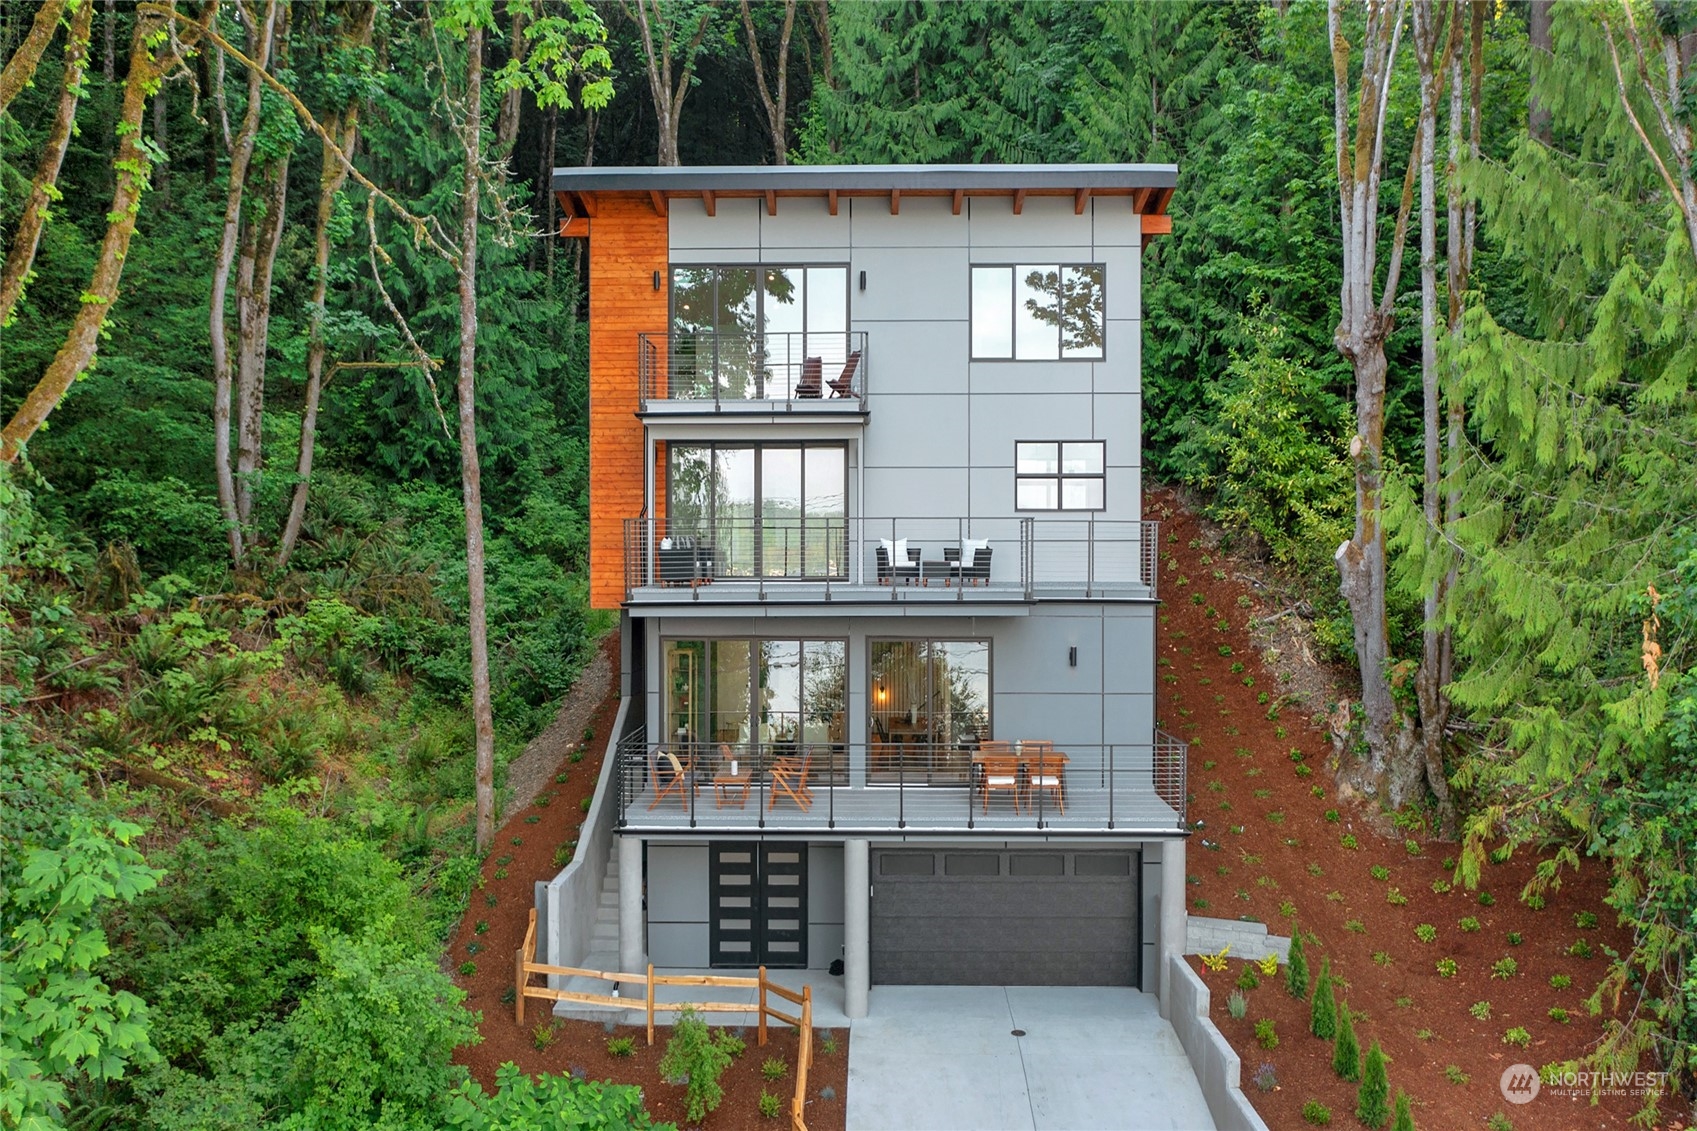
<point>1068,475</point>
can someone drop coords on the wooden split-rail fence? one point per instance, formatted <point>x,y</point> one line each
<point>525,965</point>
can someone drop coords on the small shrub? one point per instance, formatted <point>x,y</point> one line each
<point>1395,898</point>
<point>1355,925</point>
<point>482,926</point>
<point>773,1068</point>
<point>1323,1011</point>
<point>1296,966</point>
<point>1580,949</point>
<point>575,756</point>
<point>1535,902</point>
<point>1379,872</point>
<point>543,1035</point>
<point>1499,1122</point>
<point>1347,840</point>
<point>563,855</point>
<point>1383,957</point>
<point>770,1105</point>
<point>1584,920</point>
<point>1440,886</point>
<point>1287,909</point>
<point>621,1046</point>
<point>509,995</point>
<point>1560,981</point>
<point>1480,1010</point>
<point>1346,1050</point>
<point>1216,962</point>
<point>828,1045</point>
<point>1411,846</point>
<point>1446,968</point>
<point>1316,1113</point>
<point>1264,1034</point>
<point>1486,899</point>
<point>1333,816</point>
<point>1505,968</point>
<point>1424,1034</point>
<point>1403,1117</point>
<point>1248,979</point>
<point>694,1056</point>
<point>1266,1077</point>
<point>1405,1002</point>
<point>1455,1075</point>
<point>1425,932</point>
<point>517,840</point>
<point>732,1042</point>
<point>1514,938</point>
<point>1517,1036</point>
<point>467,969</point>
<point>584,805</point>
<point>1469,923</point>
<point>1558,1015</point>
<point>500,873</point>
<point>1237,1005</point>
<point>544,800</point>
<point>1269,965</point>
<point>562,777</point>
<point>1373,1098</point>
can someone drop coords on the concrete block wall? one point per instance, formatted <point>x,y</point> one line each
<point>1218,1068</point>
<point>566,907</point>
<point>1247,940</point>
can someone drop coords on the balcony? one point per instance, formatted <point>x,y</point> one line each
<point>814,559</point>
<point>696,372</point>
<point>858,790</point>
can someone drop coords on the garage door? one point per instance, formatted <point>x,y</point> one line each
<point>1010,918</point>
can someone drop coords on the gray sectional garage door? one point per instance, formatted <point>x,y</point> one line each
<point>1028,917</point>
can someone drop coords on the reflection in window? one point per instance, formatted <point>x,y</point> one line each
<point>930,706</point>
<point>761,698</point>
<point>1040,312</point>
<point>773,510</point>
<point>1066,475</point>
<point>744,332</point>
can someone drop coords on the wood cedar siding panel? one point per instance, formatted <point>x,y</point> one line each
<point>627,244</point>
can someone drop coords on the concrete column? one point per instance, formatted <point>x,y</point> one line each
<point>857,928</point>
<point>1172,915</point>
<point>632,953</point>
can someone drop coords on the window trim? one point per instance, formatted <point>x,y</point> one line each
<point>1060,477</point>
<point>1013,314</point>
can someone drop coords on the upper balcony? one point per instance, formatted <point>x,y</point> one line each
<point>810,559</point>
<point>697,371</point>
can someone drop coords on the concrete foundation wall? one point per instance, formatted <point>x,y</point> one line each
<point>1218,1068</point>
<point>566,906</point>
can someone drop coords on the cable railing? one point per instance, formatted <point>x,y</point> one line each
<point>1030,555</point>
<point>1000,787</point>
<point>805,369</point>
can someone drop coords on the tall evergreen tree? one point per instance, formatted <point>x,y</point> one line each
<point>1346,1050</point>
<point>1323,1011</point>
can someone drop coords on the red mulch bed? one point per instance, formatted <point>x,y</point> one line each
<point>581,1045</point>
<point>1256,852</point>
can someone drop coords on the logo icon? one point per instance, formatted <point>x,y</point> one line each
<point>1520,1084</point>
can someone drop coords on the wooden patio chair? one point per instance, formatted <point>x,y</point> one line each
<point>810,386</point>
<point>672,778</point>
<point>1042,774</point>
<point>789,779</point>
<point>998,773</point>
<point>843,385</point>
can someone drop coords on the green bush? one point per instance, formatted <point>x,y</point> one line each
<point>1265,1034</point>
<point>694,1056</point>
<point>773,1068</point>
<point>519,1099</point>
<point>1403,1120</point>
<point>621,1046</point>
<point>1323,1011</point>
<point>770,1106</point>
<point>1372,1099</point>
<point>1316,1113</point>
<point>1346,1051</point>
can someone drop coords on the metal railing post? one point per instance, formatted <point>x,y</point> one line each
<point>1110,785</point>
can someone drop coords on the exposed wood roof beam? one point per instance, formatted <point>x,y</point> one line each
<point>895,202</point>
<point>831,201</point>
<point>709,203</point>
<point>587,200</point>
<point>1154,225</point>
<point>568,206</point>
<point>960,195</point>
<point>1140,200</point>
<point>1079,200</point>
<point>1018,201</point>
<point>659,201</point>
<point>771,203</point>
<point>572,227</point>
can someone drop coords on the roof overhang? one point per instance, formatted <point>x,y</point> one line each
<point>1146,188</point>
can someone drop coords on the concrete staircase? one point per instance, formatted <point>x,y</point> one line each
<point>603,952</point>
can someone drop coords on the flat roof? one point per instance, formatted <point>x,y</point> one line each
<point>1149,186</point>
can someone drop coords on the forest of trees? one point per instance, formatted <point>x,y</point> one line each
<point>280,313</point>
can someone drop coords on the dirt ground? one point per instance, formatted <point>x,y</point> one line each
<point>524,853</point>
<point>1276,845</point>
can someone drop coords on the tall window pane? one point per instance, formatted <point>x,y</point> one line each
<point>827,317</point>
<point>735,502</point>
<point>785,291</point>
<point>1082,306</point>
<point>780,511</point>
<point>1036,334</point>
<point>824,511</point>
<point>992,312</point>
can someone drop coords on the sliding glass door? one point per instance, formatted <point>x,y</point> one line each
<point>758,699</point>
<point>762,510</point>
<point>744,332</point>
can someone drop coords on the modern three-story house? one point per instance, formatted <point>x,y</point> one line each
<point>866,488</point>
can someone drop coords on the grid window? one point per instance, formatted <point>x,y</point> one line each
<point>1039,312</point>
<point>1060,475</point>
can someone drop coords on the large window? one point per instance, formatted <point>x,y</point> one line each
<point>765,510</point>
<point>742,332</point>
<point>930,704</point>
<point>761,698</point>
<point>1066,475</point>
<point>1039,312</point>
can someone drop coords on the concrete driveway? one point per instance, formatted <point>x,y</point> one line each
<point>944,1058</point>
